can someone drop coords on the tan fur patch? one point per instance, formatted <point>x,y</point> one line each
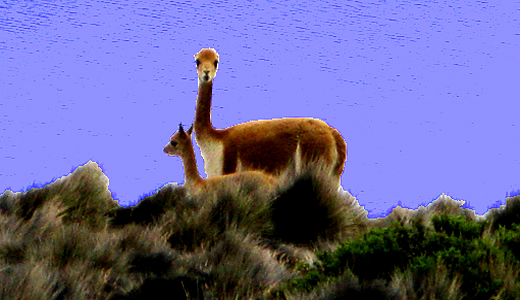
<point>212,153</point>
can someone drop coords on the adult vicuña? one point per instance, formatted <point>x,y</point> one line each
<point>267,145</point>
<point>181,145</point>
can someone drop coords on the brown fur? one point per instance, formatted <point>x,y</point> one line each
<point>256,144</point>
<point>341,147</point>
<point>267,145</point>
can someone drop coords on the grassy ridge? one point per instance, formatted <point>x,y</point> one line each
<point>71,240</point>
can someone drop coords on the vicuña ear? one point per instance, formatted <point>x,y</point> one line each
<point>190,129</point>
<point>180,128</point>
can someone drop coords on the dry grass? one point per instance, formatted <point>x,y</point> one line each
<point>70,240</point>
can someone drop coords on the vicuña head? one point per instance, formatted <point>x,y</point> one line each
<point>267,145</point>
<point>207,65</point>
<point>181,145</point>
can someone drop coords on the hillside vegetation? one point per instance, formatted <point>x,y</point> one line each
<point>71,240</point>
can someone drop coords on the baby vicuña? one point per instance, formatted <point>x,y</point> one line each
<point>181,145</point>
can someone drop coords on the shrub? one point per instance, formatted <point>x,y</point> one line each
<point>383,251</point>
<point>310,209</point>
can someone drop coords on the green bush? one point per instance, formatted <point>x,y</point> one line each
<point>458,226</point>
<point>455,242</point>
<point>510,239</point>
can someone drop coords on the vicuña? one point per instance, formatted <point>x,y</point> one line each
<point>181,145</point>
<point>267,145</point>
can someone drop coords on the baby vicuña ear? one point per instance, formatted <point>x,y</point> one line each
<point>190,129</point>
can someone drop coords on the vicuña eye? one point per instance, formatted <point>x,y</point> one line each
<point>216,63</point>
<point>174,144</point>
<point>198,62</point>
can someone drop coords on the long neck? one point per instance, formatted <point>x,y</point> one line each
<point>191,173</point>
<point>202,124</point>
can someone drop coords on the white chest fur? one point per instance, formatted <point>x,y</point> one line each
<point>213,155</point>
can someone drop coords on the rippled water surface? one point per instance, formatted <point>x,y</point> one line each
<point>425,93</point>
